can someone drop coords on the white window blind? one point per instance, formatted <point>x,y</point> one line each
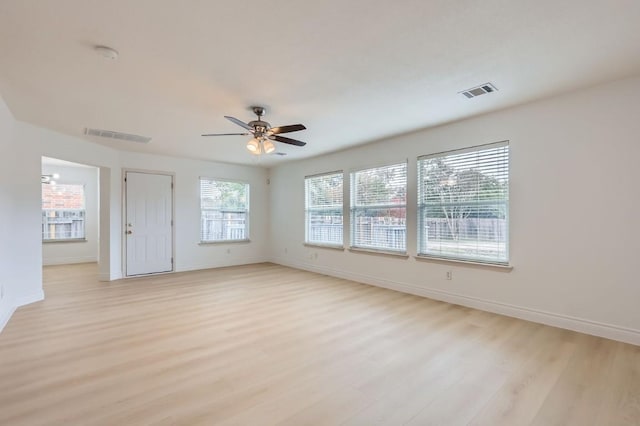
<point>63,212</point>
<point>323,209</point>
<point>463,204</point>
<point>224,210</point>
<point>379,208</point>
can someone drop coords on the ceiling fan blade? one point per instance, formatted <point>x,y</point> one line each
<point>287,129</point>
<point>238,122</point>
<point>227,134</point>
<point>284,139</point>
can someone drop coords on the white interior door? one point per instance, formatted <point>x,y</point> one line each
<point>148,223</point>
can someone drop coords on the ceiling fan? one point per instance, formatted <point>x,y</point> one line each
<point>263,133</point>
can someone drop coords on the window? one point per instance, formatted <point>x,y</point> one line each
<point>63,212</point>
<point>224,210</point>
<point>323,209</point>
<point>463,204</point>
<point>379,208</point>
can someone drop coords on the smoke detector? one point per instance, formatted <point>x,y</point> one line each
<point>107,52</point>
<point>483,89</point>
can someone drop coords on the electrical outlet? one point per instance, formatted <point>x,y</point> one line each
<point>228,251</point>
<point>449,275</point>
<point>285,250</point>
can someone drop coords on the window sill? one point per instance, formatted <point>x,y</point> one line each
<point>401,254</point>
<point>213,243</point>
<point>496,266</point>
<point>69,240</point>
<point>324,246</point>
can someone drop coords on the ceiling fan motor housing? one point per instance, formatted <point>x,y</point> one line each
<point>259,127</point>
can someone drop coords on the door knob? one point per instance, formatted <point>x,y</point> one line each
<point>129,232</point>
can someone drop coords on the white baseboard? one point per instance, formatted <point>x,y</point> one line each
<point>68,260</point>
<point>581,325</point>
<point>8,308</point>
<point>212,265</point>
<point>30,298</point>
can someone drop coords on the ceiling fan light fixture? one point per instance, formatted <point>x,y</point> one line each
<point>253,146</point>
<point>264,135</point>
<point>268,146</point>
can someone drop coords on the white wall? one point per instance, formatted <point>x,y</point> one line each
<point>6,137</point>
<point>23,145</point>
<point>33,143</point>
<point>20,281</point>
<point>189,253</point>
<point>574,204</point>
<point>56,253</point>
<point>574,231</point>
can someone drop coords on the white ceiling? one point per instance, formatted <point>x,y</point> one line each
<point>351,71</point>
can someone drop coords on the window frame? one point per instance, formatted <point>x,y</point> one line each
<point>246,211</point>
<point>307,242</point>
<point>83,210</point>
<point>353,209</point>
<point>420,228</point>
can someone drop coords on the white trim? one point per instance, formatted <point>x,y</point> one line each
<point>30,298</point>
<point>6,311</point>
<point>378,165</point>
<point>324,246</point>
<point>383,252</point>
<point>474,148</point>
<point>335,172</point>
<point>104,277</point>
<point>65,240</point>
<point>581,325</point>
<point>236,262</point>
<point>246,182</point>
<point>69,260</point>
<point>218,242</point>
<point>499,266</point>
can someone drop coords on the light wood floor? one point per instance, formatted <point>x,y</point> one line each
<point>264,344</point>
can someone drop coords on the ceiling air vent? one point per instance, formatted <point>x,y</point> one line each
<point>116,135</point>
<point>479,90</point>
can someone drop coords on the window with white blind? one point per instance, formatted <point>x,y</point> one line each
<point>323,209</point>
<point>224,210</point>
<point>463,204</point>
<point>63,212</point>
<point>379,208</point>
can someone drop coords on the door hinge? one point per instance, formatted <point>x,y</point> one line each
<point>171,222</point>
<point>172,260</point>
<point>171,185</point>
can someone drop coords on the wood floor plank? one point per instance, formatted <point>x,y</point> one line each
<point>264,344</point>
